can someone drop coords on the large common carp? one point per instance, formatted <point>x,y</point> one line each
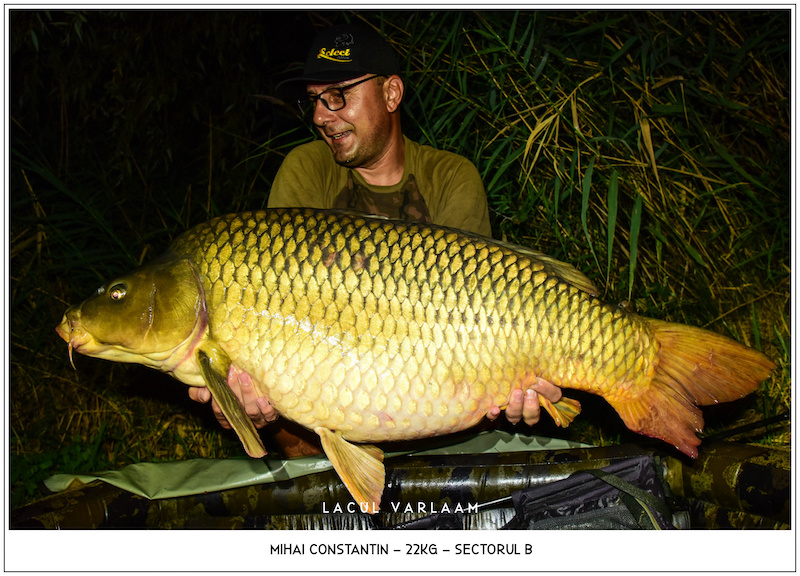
<point>370,330</point>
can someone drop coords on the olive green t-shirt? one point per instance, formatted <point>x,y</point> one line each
<point>437,186</point>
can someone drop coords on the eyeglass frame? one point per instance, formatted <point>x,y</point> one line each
<point>309,103</point>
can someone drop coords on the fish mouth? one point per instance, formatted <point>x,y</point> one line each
<point>75,336</point>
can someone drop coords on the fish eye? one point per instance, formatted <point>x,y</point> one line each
<point>118,291</point>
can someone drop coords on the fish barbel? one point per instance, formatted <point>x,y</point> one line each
<point>371,330</point>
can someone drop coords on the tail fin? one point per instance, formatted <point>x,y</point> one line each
<point>695,367</point>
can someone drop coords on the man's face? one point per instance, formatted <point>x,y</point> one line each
<point>358,133</point>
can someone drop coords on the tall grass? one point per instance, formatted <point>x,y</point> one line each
<point>649,149</point>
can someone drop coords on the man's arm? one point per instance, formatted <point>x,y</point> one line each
<point>299,180</point>
<point>461,198</point>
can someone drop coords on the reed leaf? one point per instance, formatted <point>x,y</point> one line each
<point>613,189</point>
<point>636,223</point>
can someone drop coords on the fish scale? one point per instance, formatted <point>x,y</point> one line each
<point>369,330</point>
<point>320,277</point>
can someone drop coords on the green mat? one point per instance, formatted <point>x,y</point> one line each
<point>188,477</point>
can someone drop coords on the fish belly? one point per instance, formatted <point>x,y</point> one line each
<point>377,388</point>
<point>377,395</point>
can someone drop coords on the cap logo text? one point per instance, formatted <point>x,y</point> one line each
<point>334,54</point>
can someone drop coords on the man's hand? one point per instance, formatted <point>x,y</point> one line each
<point>525,405</point>
<point>259,409</point>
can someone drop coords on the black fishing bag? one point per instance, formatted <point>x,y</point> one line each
<point>628,494</point>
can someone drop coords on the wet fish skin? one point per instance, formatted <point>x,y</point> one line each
<point>325,306</point>
<point>371,330</point>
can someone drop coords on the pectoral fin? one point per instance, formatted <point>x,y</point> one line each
<point>215,363</point>
<point>359,466</point>
<point>563,411</point>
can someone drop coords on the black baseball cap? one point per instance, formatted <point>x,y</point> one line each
<point>347,51</point>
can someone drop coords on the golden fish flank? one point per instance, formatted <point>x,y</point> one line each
<point>362,325</point>
<point>368,330</point>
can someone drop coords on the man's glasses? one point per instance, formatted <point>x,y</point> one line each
<point>332,98</point>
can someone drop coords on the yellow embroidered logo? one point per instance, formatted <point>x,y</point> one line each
<point>335,55</point>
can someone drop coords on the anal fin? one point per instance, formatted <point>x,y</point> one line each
<point>563,412</point>
<point>359,466</point>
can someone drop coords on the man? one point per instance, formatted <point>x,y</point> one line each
<point>364,163</point>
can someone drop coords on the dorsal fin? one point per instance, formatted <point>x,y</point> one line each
<point>566,272</point>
